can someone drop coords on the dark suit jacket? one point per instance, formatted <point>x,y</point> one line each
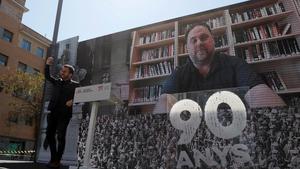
<point>62,92</point>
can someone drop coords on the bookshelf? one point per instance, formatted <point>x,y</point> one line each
<point>149,78</point>
<point>264,33</point>
<point>142,103</point>
<point>279,58</point>
<point>272,45</point>
<point>261,20</point>
<point>265,40</point>
<point>152,60</point>
<point>156,43</point>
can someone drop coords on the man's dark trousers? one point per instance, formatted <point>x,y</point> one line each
<point>57,126</point>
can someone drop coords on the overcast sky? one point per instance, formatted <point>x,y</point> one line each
<point>93,18</point>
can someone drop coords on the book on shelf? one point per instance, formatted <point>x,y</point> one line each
<point>216,22</point>
<point>155,53</point>
<point>156,36</point>
<point>221,41</point>
<point>156,69</point>
<point>265,52</point>
<point>281,7</point>
<point>148,93</point>
<point>259,51</point>
<point>211,22</point>
<point>273,80</point>
<point>247,55</point>
<point>268,50</point>
<point>286,29</point>
<point>270,30</point>
<point>257,12</point>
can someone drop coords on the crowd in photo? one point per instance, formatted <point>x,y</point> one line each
<point>139,141</point>
<point>147,141</point>
<point>272,136</point>
<point>83,131</point>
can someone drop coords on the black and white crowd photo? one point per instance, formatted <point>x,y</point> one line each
<point>270,140</point>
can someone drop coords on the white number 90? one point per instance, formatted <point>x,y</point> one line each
<point>189,127</point>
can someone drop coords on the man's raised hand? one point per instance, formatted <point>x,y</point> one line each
<point>50,61</point>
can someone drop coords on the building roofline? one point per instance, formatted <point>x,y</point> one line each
<point>35,35</point>
<point>19,5</point>
<point>246,2</point>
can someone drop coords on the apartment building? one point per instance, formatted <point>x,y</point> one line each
<point>23,49</point>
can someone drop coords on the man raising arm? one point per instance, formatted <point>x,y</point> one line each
<point>60,107</point>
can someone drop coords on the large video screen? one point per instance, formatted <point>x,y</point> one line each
<point>217,89</point>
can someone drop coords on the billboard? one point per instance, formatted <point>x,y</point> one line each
<point>220,95</point>
<point>205,129</point>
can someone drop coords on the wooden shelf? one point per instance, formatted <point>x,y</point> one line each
<point>153,60</point>
<point>289,91</point>
<point>183,55</point>
<point>250,5</point>
<point>260,20</point>
<point>204,17</point>
<point>142,103</point>
<point>219,30</point>
<point>157,43</point>
<point>279,58</point>
<point>181,37</point>
<point>157,28</point>
<point>265,40</point>
<point>151,77</point>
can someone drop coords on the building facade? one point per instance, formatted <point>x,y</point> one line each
<point>23,49</point>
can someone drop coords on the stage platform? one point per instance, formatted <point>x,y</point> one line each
<point>24,165</point>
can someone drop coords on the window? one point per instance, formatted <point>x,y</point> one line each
<point>26,45</point>
<point>27,69</point>
<point>19,91</point>
<point>3,60</point>
<point>13,118</point>
<point>1,86</point>
<point>16,145</point>
<point>28,120</point>
<point>39,52</point>
<point>128,51</point>
<point>22,67</point>
<point>36,71</point>
<point>7,35</point>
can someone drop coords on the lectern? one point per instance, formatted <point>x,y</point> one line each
<point>98,95</point>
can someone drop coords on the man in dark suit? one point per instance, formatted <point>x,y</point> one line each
<point>60,107</point>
